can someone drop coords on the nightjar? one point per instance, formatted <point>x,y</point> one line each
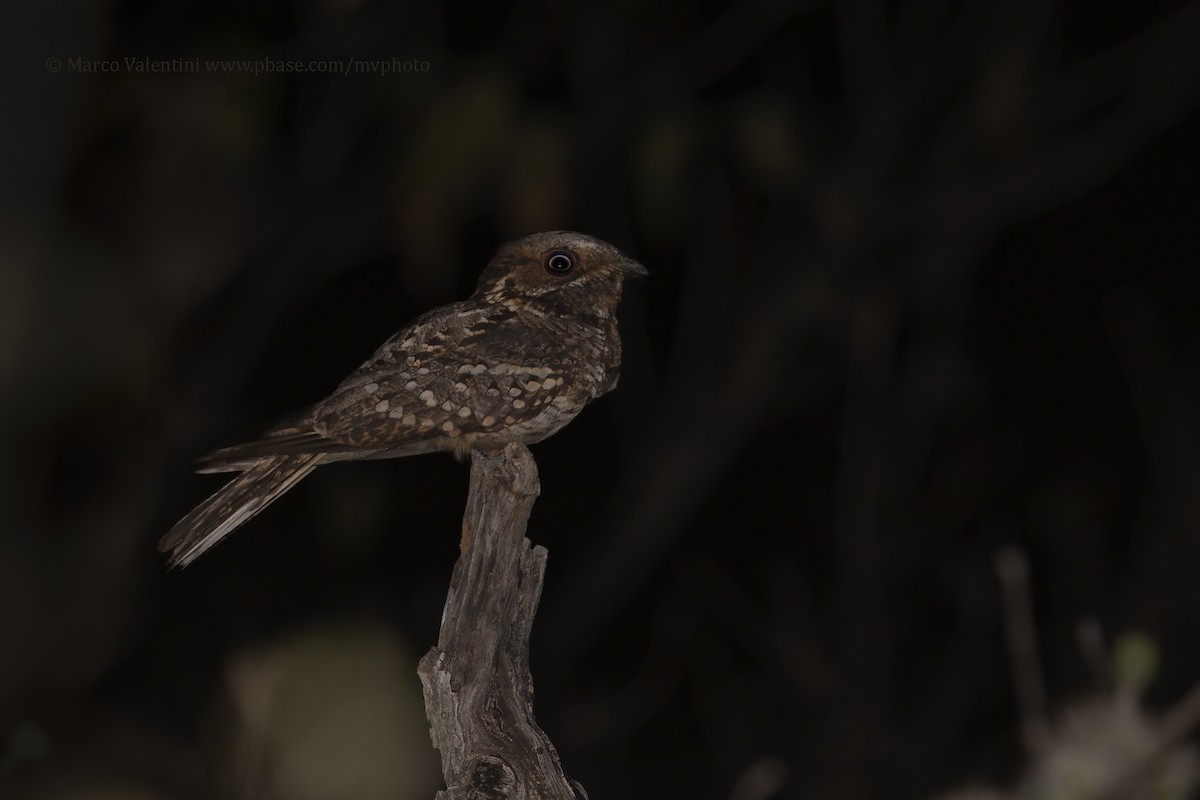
<point>515,362</point>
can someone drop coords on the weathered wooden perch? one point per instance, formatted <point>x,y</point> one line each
<point>478,689</point>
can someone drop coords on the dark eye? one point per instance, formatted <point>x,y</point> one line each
<point>559,262</point>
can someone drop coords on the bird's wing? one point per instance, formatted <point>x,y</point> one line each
<point>459,369</point>
<point>462,369</point>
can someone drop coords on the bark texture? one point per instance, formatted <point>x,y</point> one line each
<point>478,689</point>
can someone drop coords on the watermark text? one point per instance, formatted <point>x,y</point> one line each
<point>256,67</point>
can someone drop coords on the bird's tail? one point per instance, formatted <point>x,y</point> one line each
<point>237,502</point>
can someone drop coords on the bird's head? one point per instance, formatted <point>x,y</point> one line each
<point>561,268</point>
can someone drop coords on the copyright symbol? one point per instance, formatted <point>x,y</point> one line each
<point>53,64</point>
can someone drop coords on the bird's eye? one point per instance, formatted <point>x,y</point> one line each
<point>559,262</point>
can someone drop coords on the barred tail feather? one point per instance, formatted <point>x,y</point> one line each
<point>236,503</point>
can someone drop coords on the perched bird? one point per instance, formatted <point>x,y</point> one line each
<point>534,344</point>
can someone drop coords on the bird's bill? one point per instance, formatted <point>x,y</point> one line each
<point>634,269</point>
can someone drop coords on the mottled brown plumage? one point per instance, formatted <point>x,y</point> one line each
<point>534,344</point>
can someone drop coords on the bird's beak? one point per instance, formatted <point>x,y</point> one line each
<point>633,268</point>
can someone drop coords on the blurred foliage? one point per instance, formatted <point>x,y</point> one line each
<point>332,712</point>
<point>1108,747</point>
<point>916,293</point>
<point>1135,661</point>
<point>1098,745</point>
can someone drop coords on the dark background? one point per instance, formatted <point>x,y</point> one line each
<point>924,280</point>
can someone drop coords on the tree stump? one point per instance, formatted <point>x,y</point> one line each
<point>478,688</point>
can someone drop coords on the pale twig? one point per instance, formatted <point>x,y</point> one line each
<point>1090,637</point>
<point>1013,571</point>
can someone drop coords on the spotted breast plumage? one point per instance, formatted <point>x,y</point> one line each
<point>518,360</point>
